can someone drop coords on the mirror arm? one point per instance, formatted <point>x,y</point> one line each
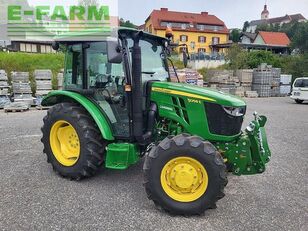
<point>176,74</point>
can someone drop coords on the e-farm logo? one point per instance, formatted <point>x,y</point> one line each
<point>44,20</point>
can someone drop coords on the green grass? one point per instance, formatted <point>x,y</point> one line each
<point>26,62</point>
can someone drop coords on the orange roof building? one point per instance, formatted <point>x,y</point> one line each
<point>272,38</point>
<point>198,31</point>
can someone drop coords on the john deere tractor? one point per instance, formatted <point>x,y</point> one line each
<point>118,104</point>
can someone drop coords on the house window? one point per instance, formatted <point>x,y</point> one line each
<point>202,39</point>
<point>34,48</point>
<point>215,40</point>
<point>48,49</point>
<point>22,47</point>
<point>28,47</point>
<point>192,45</point>
<point>43,49</point>
<point>201,50</point>
<point>183,38</point>
<point>183,26</point>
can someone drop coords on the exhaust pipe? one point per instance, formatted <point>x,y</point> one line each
<point>142,138</point>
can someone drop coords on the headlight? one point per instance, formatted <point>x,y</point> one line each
<point>250,127</point>
<point>235,111</point>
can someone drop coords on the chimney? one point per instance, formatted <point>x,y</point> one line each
<point>163,9</point>
<point>205,13</point>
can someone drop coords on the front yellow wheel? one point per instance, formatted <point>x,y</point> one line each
<point>184,179</point>
<point>184,175</point>
<point>64,143</point>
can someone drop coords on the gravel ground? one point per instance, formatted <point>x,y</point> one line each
<point>33,197</point>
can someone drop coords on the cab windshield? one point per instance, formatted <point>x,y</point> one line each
<point>152,57</point>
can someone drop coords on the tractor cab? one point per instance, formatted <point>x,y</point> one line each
<point>99,70</point>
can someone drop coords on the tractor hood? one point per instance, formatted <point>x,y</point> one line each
<point>196,92</point>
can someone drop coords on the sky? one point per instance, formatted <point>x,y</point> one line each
<point>233,12</point>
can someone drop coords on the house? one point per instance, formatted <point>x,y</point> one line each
<point>265,20</point>
<point>277,42</point>
<point>272,39</point>
<point>199,31</point>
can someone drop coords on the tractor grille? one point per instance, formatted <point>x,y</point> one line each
<point>180,108</point>
<point>222,123</point>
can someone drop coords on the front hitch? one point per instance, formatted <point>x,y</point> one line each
<point>250,152</point>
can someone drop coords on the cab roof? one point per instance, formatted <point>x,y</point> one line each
<point>106,34</point>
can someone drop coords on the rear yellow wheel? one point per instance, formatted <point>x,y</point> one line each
<point>72,141</point>
<point>184,179</point>
<point>64,143</point>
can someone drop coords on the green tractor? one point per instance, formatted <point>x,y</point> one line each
<point>118,104</point>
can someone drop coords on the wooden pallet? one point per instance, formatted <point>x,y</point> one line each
<point>7,110</point>
<point>42,108</point>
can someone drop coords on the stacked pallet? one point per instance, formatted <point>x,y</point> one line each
<point>251,94</point>
<point>4,87</point>
<point>285,85</point>
<point>4,101</point>
<point>43,82</point>
<point>275,87</point>
<point>60,80</point>
<point>21,88</point>
<point>245,78</point>
<point>223,80</point>
<point>262,80</point>
<point>188,76</point>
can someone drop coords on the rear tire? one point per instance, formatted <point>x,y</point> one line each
<point>89,139</point>
<point>299,101</point>
<point>173,154</point>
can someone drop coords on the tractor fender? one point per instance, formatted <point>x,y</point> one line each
<point>56,97</point>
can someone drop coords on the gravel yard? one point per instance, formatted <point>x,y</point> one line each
<point>33,197</point>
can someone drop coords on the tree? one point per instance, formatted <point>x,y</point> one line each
<point>235,35</point>
<point>299,39</point>
<point>127,23</point>
<point>263,27</point>
<point>246,25</point>
<point>236,57</point>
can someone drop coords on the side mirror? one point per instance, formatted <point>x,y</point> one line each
<point>55,46</point>
<point>114,52</point>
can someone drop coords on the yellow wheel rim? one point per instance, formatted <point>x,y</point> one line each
<point>64,143</point>
<point>184,179</point>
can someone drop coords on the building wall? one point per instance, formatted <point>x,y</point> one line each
<point>193,37</point>
<point>259,40</point>
<point>246,40</point>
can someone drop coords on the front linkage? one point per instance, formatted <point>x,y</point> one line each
<point>249,153</point>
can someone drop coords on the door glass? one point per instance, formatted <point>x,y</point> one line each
<point>73,67</point>
<point>107,80</point>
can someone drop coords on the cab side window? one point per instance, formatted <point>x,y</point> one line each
<point>73,71</point>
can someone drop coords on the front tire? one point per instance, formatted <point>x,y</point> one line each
<point>184,175</point>
<point>299,101</point>
<point>72,142</point>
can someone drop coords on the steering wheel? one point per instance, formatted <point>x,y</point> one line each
<point>102,80</point>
